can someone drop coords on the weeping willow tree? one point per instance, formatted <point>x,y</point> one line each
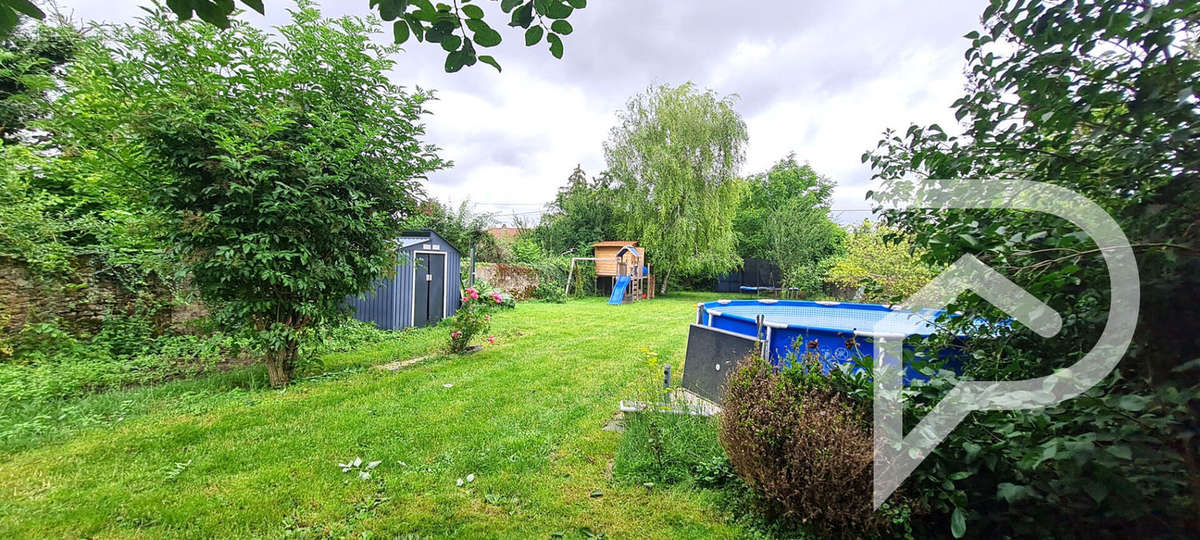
<point>675,154</point>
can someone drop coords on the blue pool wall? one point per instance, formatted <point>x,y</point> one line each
<point>834,345</point>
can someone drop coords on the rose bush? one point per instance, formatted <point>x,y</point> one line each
<point>473,318</point>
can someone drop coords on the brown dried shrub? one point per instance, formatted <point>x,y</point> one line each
<point>803,446</point>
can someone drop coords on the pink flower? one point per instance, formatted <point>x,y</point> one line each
<point>466,299</point>
<point>487,318</point>
<point>491,339</point>
<point>497,298</point>
<point>455,334</point>
<point>474,295</point>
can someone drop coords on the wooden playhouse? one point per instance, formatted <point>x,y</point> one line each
<point>621,267</point>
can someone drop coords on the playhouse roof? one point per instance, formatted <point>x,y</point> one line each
<point>614,243</point>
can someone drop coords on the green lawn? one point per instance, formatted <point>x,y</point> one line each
<point>223,456</point>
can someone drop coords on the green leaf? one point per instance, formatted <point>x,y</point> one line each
<point>556,45</point>
<point>508,5</point>
<point>8,20</point>
<point>1012,492</point>
<point>1133,403</point>
<point>958,523</point>
<point>490,61</point>
<point>1096,490</point>
<point>522,16</point>
<point>390,10</point>
<point>414,23</point>
<point>473,11</point>
<point>451,42</point>
<point>561,27</point>
<point>557,9</point>
<point>533,35</point>
<point>454,62</point>
<point>400,30</point>
<point>26,7</point>
<point>960,475</point>
<point>487,38</point>
<point>214,14</point>
<point>1120,450</point>
<point>577,4</point>
<point>256,5</point>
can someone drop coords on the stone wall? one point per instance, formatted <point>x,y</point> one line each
<point>519,281</point>
<point>77,303</point>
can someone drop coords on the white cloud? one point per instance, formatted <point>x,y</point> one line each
<point>821,79</point>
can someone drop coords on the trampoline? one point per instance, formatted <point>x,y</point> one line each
<point>839,332</point>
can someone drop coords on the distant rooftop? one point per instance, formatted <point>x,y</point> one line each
<point>505,232</point>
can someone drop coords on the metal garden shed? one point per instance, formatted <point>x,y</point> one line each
<point>427,286</point>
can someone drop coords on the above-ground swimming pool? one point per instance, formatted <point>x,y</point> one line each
<point>839,332</point>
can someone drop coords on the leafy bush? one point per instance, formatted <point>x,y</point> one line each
<point>884,263</point>
<point>550,292</point>
<point>50,363</point>
<point>486,289</point>
<point>552,279</point>
<point>803,445</point>
<point>810,278</point>
<point>524,250</point>
<point>1099,98</point>
<point>27,230</point>
<point>346,335</point>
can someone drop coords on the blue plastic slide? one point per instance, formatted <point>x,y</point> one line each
<point>618,294</point>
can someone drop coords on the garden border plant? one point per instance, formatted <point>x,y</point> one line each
<point>473,319</point>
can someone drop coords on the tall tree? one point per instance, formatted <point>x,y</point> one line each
<point>784,218</point>
<point>285,167</point>
<point>581,214</point>
<point>675,155</point>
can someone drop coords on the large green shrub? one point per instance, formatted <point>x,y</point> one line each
<point>1101,98</point>
<point>885,265</point>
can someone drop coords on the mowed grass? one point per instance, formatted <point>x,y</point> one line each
<point>224,457</point>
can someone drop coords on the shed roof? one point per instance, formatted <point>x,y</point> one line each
<point>410,241</point>
<point>421,236</point>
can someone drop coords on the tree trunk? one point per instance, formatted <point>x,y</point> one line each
<point>278,375</point>
<point>280,365</point>
<point>666,277</point>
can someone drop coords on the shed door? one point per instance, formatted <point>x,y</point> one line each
<point>429,283</point>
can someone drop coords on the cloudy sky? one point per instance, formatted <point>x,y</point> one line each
<point>822,79</point>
